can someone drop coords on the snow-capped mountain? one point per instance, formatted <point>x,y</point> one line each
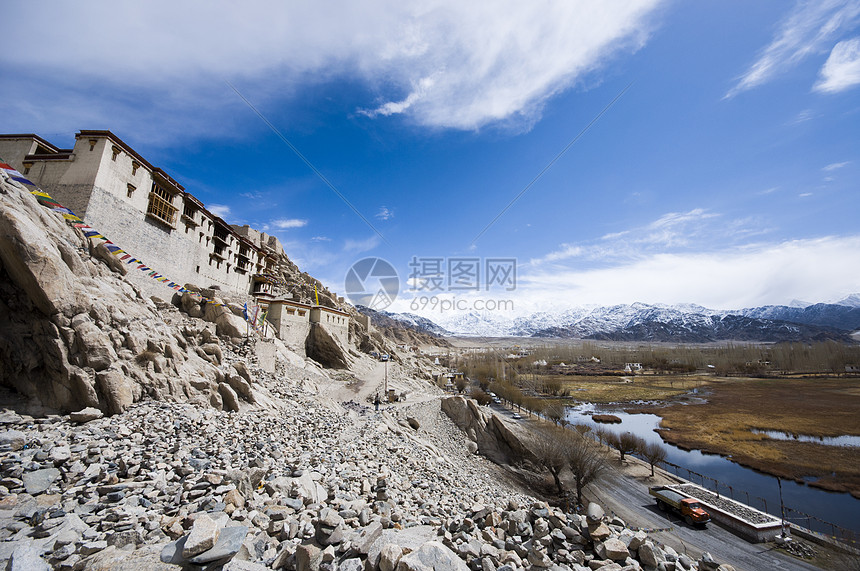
<point>657,322</point>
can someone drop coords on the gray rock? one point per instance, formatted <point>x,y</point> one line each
<point>432,556</point>
<point>204,534</point>
<point>91,547</point>
<point>389,557</point>
<point>650,555</point>
<point>229,541</point>
<point>14,439</point>
<point>236,565</point>
<point>308,558</point>
<point>594,513</point>
<point>599,533</point>
<point>93,343</point>
<point>615,549</point>
<point>116,389</point>
<point>26,558</point>
<point>86,415</point>
<point>60,455</point>
<point>120,539</point>
<point>231,400</point>
<point>366,537</point>
<point>539,559</point>
<point>40,480</point>
<point>707,562</point>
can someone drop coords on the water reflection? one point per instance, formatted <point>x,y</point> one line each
<point>841,509</point>
<point>844,440</point>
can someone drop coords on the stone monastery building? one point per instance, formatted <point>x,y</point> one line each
<point>146,212</point>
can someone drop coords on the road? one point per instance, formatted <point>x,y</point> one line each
<point>629,499</point>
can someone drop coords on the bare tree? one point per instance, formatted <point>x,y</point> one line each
<point>626,443</point>
<point>601,434</point>
<point>479,395</point>
<point>653,454</point>
<point>583,429</point>
<point>586,462</point>
<point>551,451</point>
<point>555,412</point>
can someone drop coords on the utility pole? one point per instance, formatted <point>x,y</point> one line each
<point>386,380</point>
<point>782,509</point>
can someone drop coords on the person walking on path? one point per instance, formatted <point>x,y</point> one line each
<point>376,402</point>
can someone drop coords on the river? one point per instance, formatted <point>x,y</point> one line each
<point>837,508</point>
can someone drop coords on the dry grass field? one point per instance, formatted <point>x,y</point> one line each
<point>815,407</point>
<point>721,417</point>
<point>605,389</point>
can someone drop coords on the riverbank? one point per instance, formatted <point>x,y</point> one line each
<point>737,410</point>
<point>732,416</point>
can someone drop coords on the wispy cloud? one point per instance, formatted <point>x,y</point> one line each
<point>802,117</point>
<point>810,28</point>
<point>841,71</point>
<point>835,166</point>
<point>221,210</point>
<point>384,213</point>
<point>731,278</point>
<point>358,246</point>
<point>321,239</point>
<point>287,223</point>
<point>448,64</point>
<point>565,252</point>
<point>671,232</point>
<point>675,228</point>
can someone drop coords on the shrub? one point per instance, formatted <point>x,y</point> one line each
<point>479,395</point>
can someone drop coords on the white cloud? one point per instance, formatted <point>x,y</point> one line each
<point>842,69</point>
<point>321,239</point>
<point>384,213</point>
<point>358,246</point>
<point>444,63</point>
<point>730,279</point>
<point>221,210</point>
<point>694,230</point>
<point>675,228</point>
<point>835,166</point>
<point>565,252</point>
<point>287,223</point>
<point>806,31</point>
<point>804,194</point>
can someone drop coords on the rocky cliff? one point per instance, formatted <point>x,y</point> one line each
<point>488,434</point>
<point>75,334</point>
<point>220,452</point>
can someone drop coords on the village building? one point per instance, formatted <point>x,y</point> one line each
<point>150,215</point>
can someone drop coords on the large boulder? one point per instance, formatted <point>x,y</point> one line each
<point>116,389</point>
<point>93,343</point>
<point>494,438</point>
<point>31,258</point>
<point>432,556</point>
<point>229,325</point>
<point>322,348</point>
<point>102,253</point>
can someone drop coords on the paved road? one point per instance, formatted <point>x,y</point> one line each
<point>629,499</point>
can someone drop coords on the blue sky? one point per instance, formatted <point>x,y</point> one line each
<point>725,175</point>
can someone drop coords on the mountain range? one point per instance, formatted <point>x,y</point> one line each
<point>686,323</point>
